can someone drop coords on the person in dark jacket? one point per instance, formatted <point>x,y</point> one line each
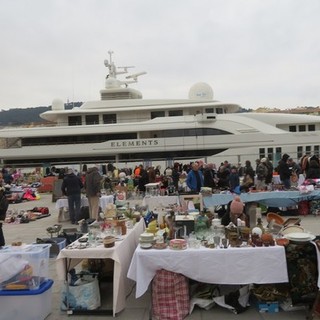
<point>313,171</point>
<point>269,176</point>
<point>71,187</point>
<point>284,171</point>
<point>4,204</point>
<point>143,180</point>
<point>92,185</point>
<point>248,170</point>
<point>209,176</point>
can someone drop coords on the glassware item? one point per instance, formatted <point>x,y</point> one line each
<point>216,240</point>
<point>224,243</point>
<point>245,233</point>
<point>117,231</point>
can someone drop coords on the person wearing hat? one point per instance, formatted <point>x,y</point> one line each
<point>71,188</point>
<point>4,204</point>
<point>235,211</point>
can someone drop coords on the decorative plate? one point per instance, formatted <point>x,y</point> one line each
<point>293,229</point>
<point>300,236</point>
<point>159,246</point>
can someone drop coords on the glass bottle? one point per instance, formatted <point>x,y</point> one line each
<point>260,225</point>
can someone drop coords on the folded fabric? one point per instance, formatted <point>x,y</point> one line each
<point>11,266</point>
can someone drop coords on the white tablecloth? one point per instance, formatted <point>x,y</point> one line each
<point>121,253</point>
<point>219,266</point>
<point>104,200</point>
<point>159,201</point>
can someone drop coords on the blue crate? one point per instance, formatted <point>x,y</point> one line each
<point>27,304</point>
<point>268,306</point>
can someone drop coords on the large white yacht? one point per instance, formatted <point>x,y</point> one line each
<point>123,127</point>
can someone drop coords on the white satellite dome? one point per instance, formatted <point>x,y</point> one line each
<point>202,91</point>
<point>57,104</point>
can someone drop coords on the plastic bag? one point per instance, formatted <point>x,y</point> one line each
<point>83,295</point>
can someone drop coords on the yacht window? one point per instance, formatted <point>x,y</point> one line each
<point>299,152</point>
<point>292,128</point>
<point>311,127</point>
<point>278,154</point>
<point>316,150</point>
<point>74,121</point>
<point>209,110</point>
<point>175,113</point>
<point>262,153</point>
<point>308,149</point>
<point>270,153</point>
<point>302,127</point>
<point>157,114</point>
<point>219,110</point>
<point>94,138</point>
<point>92,119</point>
<point>109,118</point>
<point>193,132</point>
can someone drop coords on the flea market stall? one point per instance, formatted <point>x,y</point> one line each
<point>121,253</point>
<point>228,257</point>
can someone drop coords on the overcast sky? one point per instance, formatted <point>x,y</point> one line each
<point>251,52</point>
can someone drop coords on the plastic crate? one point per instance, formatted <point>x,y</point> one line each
<point>24,267</point>
<point>268,306</point>
<point>27,304</point>
<point>57,244</point>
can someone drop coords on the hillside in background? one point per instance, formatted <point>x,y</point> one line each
<point>17,117</point>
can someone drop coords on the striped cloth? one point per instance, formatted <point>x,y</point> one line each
<point>170,296</point>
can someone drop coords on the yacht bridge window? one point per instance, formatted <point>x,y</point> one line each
<point>214,110</point>
<point>157,114</point>
<point>311,127</point>
<point>302,128</point>
<point>175,113</point>
<point>92,119</point>
<point>74,121</point>
<point>109,118</point>
<point>219,110</point>
<point>292,128</point>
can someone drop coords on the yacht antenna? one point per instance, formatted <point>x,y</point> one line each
<point>113,71</point>
<point>110,65</point>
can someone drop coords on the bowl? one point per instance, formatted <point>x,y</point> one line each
<point>274,216</point>
<point>282,241</point>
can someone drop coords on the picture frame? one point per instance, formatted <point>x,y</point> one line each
<point>195,198</point>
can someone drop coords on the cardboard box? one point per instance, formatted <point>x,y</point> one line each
<point>24,267</point>
<point>27,304</point>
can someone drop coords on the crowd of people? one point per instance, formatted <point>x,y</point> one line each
<point>238,178</point>
<point>178,178</point>
<point>191,177</point>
